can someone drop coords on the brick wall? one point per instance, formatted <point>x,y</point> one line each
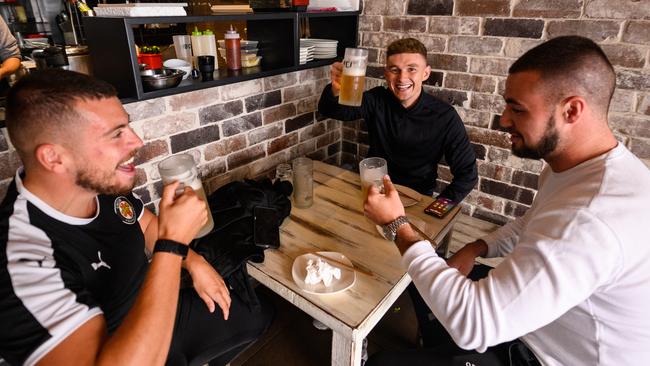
<point>471,44</point>
<point>234,131</point>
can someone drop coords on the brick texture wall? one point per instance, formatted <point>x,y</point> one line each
<point>234,131</point>
<point>246,129</point>
<point>472,43</point>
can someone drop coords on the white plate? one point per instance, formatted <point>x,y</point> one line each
<point>319,40</point>
<point>320,57</point>
<point>299,271</point>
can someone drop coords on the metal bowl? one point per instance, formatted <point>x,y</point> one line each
<point>161,78</point>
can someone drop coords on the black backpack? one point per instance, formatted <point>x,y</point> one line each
<point>231,243</point>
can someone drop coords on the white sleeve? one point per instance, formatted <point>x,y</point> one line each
<point>552,269</point>
<point>502,241</point>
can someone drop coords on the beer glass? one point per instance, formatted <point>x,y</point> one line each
<point>303,182</point>
<point>284,173</point>
<point>181,168</point>
<point>354,76</point>
<point>372,172</point>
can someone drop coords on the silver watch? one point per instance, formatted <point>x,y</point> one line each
<point>390,229</point>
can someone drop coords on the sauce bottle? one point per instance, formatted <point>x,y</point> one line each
<point>203,44</point>
<point>196,46</point>
<point>210,45</point>
<point>233,49</point>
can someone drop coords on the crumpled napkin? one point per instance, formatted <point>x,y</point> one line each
<point>320,270</point>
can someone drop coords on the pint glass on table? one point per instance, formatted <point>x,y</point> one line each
<point>372,172</point>
<point>354,75</point>
<point>303,182</point>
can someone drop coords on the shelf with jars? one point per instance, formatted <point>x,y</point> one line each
<point>113,44</point>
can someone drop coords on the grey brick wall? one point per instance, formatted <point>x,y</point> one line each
<point>472,43</point>
<point>246,129</point>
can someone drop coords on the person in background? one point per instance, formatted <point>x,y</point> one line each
<point>9,53</point>
<point>412,130</point>
<point>575,281</point>
<point>76,286</point>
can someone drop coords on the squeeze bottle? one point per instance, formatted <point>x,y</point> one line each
<point>233,49</point>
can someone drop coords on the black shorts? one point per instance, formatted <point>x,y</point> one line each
<point>201,336</point>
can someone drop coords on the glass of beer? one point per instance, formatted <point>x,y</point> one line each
<point>372,172</point>
<point>354,76</point>
<point>303,182</point>
<point>181,168</point>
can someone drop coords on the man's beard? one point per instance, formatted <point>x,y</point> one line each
<point>544,147</point>
<point>96,181</point>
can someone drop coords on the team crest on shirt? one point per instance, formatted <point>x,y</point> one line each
<point>124,209</point>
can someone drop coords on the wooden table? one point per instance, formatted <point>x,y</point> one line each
<point>335,222</point>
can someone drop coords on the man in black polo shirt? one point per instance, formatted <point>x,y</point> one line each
<point>76,287</point>
<point>412,130</point>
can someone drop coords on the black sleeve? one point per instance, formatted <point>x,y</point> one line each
<point>329,107</point>
<point>461,159</point>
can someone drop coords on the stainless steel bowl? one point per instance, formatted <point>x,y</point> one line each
<point>161,78</point>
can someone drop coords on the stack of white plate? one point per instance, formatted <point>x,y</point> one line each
<point>306,53</point>
<point>323,48</point>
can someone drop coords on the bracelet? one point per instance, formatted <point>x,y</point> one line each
<point>171,246</point>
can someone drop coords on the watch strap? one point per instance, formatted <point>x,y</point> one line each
<point>171,246</point>
<point>390,229</point>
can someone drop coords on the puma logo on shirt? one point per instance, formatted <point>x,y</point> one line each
<point>101,263</point>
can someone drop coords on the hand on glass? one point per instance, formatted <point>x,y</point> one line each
<point>383,208</point>
<point>336,71</point>
<point>180,217</point>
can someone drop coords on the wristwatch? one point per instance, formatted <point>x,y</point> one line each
<point>390,229</point>
<point>170,246</point>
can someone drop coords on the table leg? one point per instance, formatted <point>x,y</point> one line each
<point>444,246</point>
<point>346,351</point>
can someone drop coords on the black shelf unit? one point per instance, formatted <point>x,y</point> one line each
<point>111,42</point>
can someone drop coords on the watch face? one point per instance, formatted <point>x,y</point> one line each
<point>388,233</point>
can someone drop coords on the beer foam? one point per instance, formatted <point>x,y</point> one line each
<point>354,71</point>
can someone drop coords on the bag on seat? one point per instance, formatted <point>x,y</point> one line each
<point>231,243</point>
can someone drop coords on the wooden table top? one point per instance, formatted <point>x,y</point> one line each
<point>335,222</point>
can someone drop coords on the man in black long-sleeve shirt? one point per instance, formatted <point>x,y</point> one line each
<point>410,129</point>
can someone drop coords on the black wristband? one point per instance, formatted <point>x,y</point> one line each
<point>170,246</point>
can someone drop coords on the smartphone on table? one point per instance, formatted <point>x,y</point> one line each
<point>440,207</point>
<point>266,232</point>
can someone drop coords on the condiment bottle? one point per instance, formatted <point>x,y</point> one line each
<point>203,44</point>
<point>210,44</point>
<point>196,46</point>
<point>233,49</point>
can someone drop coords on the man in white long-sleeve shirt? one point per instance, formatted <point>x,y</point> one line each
<point>575,282</point>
